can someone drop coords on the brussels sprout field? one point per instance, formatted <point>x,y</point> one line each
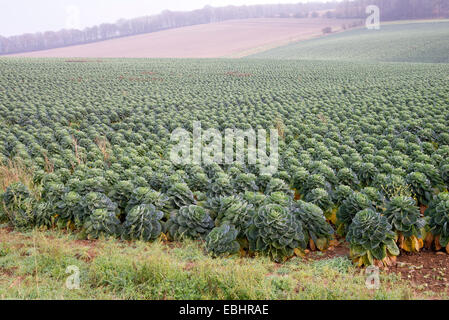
<point>364,153</point>
<point>399,41</point>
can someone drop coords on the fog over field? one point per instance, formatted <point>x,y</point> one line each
<point>235,38</point>
<point>29,16</point>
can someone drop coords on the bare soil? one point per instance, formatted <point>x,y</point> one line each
<point>426,270</point>
<point>234,38</point>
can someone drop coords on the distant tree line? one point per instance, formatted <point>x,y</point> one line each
<point>395,9</point>
<point>165,20</point>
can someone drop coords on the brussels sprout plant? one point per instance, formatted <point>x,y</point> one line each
<point>143,222</point>
<point>276,232</point>
<point>405,218</point>
<point>317,231</point>
<point>372,242</point>
<point>438,214</point>
<point>222,241</point>
<point>192,222</point>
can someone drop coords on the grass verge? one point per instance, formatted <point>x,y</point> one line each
<point>33,265</point>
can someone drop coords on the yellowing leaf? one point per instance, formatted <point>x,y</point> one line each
<point>322,244</point>
<point>437,243</point>
<point>429,240</point>
<point>299,252</point>
<point>360,262</point>
<point>163,237</point>
<point>393,259</point>
<point>312,245</point>
<point>415,244</point>
<point>405,245</point>
<point>332,216</point>
<point>421,243</point>
<point>297,195</point>
<point>334,243</point>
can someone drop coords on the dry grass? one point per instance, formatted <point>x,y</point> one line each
<point>280,126</point>
<point>15,171</point>
<point>80,159</point>
<point>105,148</point>
<point>33,266</point>
<point>48,166</point>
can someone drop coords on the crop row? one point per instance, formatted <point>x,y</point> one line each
<point>366,159</point>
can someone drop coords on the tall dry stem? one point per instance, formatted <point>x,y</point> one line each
<point>15,171</point>
<point>104,146</point>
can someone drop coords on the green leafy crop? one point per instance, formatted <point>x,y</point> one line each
<point>222,240</point>
<point>235,211</point>
<point>191,221</point>
<point>321,198</point>
<point>280,198</point>
<point>351,206</point>
<point>317,231</point>
<point>421,187</point>
<point>438,213</point>
<point>144,195</point>
<point>180,195</point>
<point>18,204</point>
<point>102,222</point>
<point>371,238</point>
<point>276,232</point>
<point>143,222</point>
<point>93,143</point>
<point>404,216</point>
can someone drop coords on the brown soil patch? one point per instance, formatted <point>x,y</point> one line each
<point>341,250</point>
<point>86,243</point>
<point>9,272</point>
<point>234,39</point>
<point>9,229</point>
<point>16,282</point>
<point>427,270</point>
<point>189,266</point>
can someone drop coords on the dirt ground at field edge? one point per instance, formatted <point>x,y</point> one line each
<point>426,270</point>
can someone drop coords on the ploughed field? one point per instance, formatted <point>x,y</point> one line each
<point>364,149</point>
<point>235,38</point>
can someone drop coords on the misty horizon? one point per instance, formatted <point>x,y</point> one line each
<point>24,16</point>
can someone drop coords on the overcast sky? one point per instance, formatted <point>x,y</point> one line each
<point>23,16</point>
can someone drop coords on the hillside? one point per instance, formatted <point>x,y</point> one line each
<point>394,42</point>
<point>234,38</point>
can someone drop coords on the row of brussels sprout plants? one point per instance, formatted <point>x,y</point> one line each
<point>366,160</point>
<point>276,221</point>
